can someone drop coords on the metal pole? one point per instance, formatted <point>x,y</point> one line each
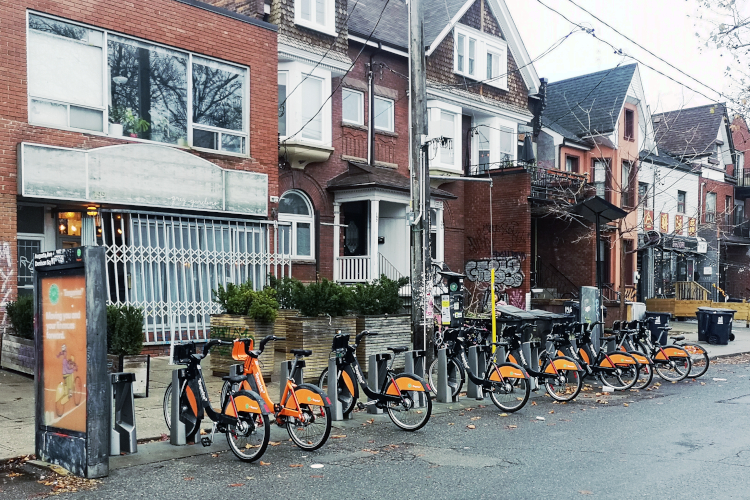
<point>598,270</point>
<point>420,179</point>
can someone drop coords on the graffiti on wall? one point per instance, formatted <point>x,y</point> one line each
<point>517,299</point>
<point>7,283</point>
<point>508,273</point>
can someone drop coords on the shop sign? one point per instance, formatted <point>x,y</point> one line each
<point>692,226</point>
<point>664,223</point>
<point>648,220</point>
<point>678,224</point>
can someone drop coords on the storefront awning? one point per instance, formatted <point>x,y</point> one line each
<point>146,175</point>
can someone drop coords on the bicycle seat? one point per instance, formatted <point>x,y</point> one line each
<point>678,338</point>
<point>609,337</point>
<point>234,379</point>
<point>301,352</point>
<point>397,350</point>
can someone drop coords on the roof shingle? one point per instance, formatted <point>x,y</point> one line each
<point>689,132</point>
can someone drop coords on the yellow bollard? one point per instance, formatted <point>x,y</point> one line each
<point>494,320</point>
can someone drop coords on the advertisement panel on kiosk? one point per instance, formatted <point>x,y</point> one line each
<point>72,395</point>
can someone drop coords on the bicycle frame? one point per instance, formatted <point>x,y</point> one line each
<point>496,375</point>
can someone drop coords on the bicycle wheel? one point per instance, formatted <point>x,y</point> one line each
<point>248,438</point>
<point>698,360</point>
<point>167,406</point>
<point>226,388</point>
<point>413,412</point>
<point>623,375</point>
<point>645,371</point>
<point>565,384</point>
<point>454,383</point>
<point>512,392</point>
<point>311,430</point>
<point>674,368</point>
<point>347,398</point>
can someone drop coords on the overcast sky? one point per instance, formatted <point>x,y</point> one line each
<point>662,26</point>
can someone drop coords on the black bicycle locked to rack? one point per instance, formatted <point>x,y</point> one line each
<point>243,418</point>
<point>404,396</point>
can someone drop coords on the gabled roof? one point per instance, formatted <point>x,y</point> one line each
<point>590,104</point>
<point>689,132</point>
<point>665,160</point>
<point>364,176</point>
<point>440,16</point>
<point>565,133</point>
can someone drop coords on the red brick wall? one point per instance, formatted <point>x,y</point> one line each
<point>511,229</point>
<point>569,247</point>
<point>722,190</point>
<point>163,21</point>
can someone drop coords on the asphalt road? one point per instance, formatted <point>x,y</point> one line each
<point>685,440</point>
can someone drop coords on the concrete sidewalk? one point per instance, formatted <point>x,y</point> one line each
<point>17,399</point>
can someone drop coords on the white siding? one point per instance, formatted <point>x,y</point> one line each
<point>664,182</point>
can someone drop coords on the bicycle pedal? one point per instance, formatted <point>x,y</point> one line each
<point>360,406</point>
<point>206,441</point>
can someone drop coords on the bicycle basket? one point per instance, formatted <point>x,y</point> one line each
<point>450,335</point>
<point>182,353</point>
<point>340,341</point>
<point>240,349</point>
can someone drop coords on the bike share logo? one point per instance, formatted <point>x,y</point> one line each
<point>54,294</point>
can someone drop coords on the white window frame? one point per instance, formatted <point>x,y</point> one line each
<point>391,121</point>
<point>285,75</point>
<point>29,236</point>
<point>296,71</point>
<point>484,44</point>
<point>296,219</point>
<point>244,133</point>
<point>492,128</point>
<point>360,106</point>
<point>435,109</point>
<point>328,27</point>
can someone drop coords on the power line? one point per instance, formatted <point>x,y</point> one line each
<point>647,50</point>
<point>620,52</point>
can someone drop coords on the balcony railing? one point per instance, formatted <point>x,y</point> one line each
<point>741,227</point>
<point>546,183</point>
<point>354,269</point>
<point>743,178</point>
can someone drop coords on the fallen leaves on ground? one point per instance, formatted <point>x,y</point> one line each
<point>188,478</point>
<point>338,436</point>
<point>235,485</point>
<point>475,418</point>
<point>264,463</point>
<point>296,465</point>
<point>69,484</point>
<point>214,455</point>
<point>512,426</point>
<point>471,426</point>
<point>533,403</point>
<point>274,443</point>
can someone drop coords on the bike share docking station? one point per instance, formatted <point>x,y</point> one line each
<point>72,388</point>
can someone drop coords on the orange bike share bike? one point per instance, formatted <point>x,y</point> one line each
<point>304,408</point>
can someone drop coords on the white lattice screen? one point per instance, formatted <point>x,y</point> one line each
<point>169,264</point>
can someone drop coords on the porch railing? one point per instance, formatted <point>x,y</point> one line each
<point>690,290</point>
<point>354,269</point>
<point>385,267</point>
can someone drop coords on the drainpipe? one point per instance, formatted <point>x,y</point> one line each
<point>371,106</point>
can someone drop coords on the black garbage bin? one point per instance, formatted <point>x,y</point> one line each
<point>572,308</point>
<point>656,326</point>
<point>715,325</point>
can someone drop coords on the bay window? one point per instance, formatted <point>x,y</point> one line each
<point>138,89</point>
<point>282,103</point>
<point>312,118</point>
<point>447,128</point>
<point>481,56</point>
<point>507,137</point>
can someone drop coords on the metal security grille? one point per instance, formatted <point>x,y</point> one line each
<point>168,265</point>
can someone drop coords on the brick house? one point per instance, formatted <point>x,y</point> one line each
<point>701,137</point>
<point>737,264</point>
<point>344,172</point>
<point>594,128</point>
<point>145,128</point>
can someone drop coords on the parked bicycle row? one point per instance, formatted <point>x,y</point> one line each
<point>624,360</point>
<point>246,410</point>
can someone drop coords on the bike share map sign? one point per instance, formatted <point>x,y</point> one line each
<point>70,340</point>
<point>64,344</point>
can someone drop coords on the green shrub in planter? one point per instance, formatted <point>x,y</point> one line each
<point>379,297</point>
<point>265,308</point>
<point>235,299</point>
<point>124,330</point>
<point>287,290</point>
<point>21,316</point>
<point>325,297</point>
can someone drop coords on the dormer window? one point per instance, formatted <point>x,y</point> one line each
<point>318,15</point>
<point>481,57</point>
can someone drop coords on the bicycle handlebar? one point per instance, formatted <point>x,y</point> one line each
<point>360,335</point>
<point>267,339</point>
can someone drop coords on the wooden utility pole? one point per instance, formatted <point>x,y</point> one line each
<point>420,180</point>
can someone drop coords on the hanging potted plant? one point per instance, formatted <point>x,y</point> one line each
<point>124,345</point>
<point>18,343</point>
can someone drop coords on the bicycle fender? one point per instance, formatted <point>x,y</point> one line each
<point>407,382</point>
<point>308,394</point>
<point>618,359</point>
<point>584,355</point>
<point>642,360</point>
<point>508,370</point>
<point>247,402</point>
<point>348,381</point>
<point>562,364</point>
<point>671,352</point>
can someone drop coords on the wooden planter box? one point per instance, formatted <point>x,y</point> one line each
<point>139,364</point>
<point>316,334</point>
<point>394,331</point>
<point>18,354</point>
<point>232,326</point>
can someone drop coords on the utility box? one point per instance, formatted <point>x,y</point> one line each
<point>72,427</point>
